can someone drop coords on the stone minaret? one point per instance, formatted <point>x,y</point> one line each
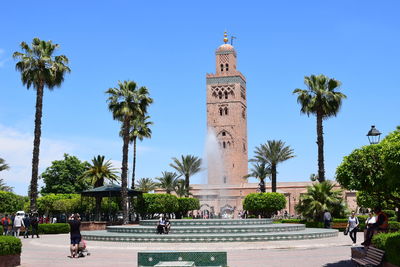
<point>226,114</point>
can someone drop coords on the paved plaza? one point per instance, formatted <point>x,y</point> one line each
<point>53,250</point>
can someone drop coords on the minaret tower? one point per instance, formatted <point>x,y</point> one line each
<point>226,115</point>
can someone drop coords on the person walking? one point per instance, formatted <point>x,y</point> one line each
<point>352,226</point>
<point>27,223</point>
<point>327,219</point>
<point>5,221</point>
<point>75,234</point>
<point>35,225</point>
<point>18,223</point>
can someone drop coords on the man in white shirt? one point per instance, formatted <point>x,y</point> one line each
<point>18,223</point>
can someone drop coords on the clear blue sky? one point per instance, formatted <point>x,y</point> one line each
<point>169,46</point>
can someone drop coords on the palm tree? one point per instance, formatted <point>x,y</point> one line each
<point>127,102</point>
<point>260,171</point>
<point>168,181</point>
<point>321,197</point>
<point>4,186</point>
<point>271,154</point>
<point>97,173</point>
<point>146,185</point>
<point>140,128</point>
<point>188,166</point>
<point>39,68</point>
<point>323,100</point>
<point>3,165</point>
<point>180,189</point>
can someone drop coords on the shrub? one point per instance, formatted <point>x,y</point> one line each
<point>264,204</point>
<point>187,204</point>
<point>390,243</point>
<point>10,202</point>
<point>390,213</point>
<point>292,221</point>
<point>156,203</point>
<point>10,245</point>
<point>394,226</point>
<point>54,228</point>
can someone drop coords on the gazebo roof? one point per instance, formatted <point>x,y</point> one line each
<point>110,190</point>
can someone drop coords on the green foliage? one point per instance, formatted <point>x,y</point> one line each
<point>390,243</point>
<point>58,203</point>
<point>260,171</point>
<point>394,226</point>
<point>63,176</point>
<point>320,197</point>
<point>97,172</point>
<point>54,228</point>
<point>156,203</point>
<point>187,204</point>
<point>10,245</point>
<point>264,204</point>
<point>10,202</point>
<point>188,166</point>
<point>168,181</point>
<point>145,185</point>
<point>4,166</point>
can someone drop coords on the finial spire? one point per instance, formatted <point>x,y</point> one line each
<point>226,38</point>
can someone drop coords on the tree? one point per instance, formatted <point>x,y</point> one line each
<point>260,171</point>
<point>188,166</point>
<point>271,154</point>
<point>39,69</point>
<point>3,165</point>
<point>127,102</point>
<point>3,187</point>
<point>264,204</point>
<point>156,203</point>
<point>140,129</point>
<point>323,100</point>
<point>180,188</point>
<point>374,171</point>
<point>321,197</point>
<point>63,176</point>
<point>97,173</point>
<point>146,185</point>
<point>10,202</point>
<point>187,204</point>
<point>168,181</point>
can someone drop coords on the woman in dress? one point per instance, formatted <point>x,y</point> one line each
<point>352,226</point>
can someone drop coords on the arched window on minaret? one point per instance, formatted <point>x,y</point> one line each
<point>223,133</point>
<point>223,144</point>
<point>227,67</point>
<point>221,112</point>
<point>220,95</point>
<point>226,111</point>
<point>226,94</point>
<point>222,67</point>
<point>224,179</point>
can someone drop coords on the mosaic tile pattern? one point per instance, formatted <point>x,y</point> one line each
<point>150,258</point>
<point>211,222</point>
<point>225,80</point>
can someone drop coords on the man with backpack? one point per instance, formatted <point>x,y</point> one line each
<point>5,221</point>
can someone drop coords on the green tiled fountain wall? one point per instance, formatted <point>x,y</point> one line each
<point>151,258</point>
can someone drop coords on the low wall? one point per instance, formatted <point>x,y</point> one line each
<point>91,226</point>
<point>10,260</point>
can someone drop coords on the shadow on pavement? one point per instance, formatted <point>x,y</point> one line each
<point>345,263</point>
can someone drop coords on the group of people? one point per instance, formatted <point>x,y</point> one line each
<point>164,225</point>
<point>12,225</point>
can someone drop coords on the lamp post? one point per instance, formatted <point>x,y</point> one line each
<point>373,135</point>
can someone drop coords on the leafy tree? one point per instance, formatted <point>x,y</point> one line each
<point>187,204</point>
<point>10,202</point>
<point>321,197</point>
<point>157,203</point>
<point>180,188</point>
<point>39,68</point>
<point>264,204</point>
<point>188,166</point>
<point>127,102</point>
<point>58,203</point>
<point>323,100</point>
<point>146,185</point>
<point>373,170</point>
<point>63,176</point>
<point>140,129</point>
<point>271,154</point>
<point>98,172</point>
<point>260,171</point>
<point>168,181</point>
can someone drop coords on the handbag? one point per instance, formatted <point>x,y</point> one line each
<point>346,231</point>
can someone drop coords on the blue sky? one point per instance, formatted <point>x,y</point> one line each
<point>168,46</point>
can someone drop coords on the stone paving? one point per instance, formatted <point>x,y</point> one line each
<point>52,250</point>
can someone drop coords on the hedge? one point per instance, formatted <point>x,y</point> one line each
<point>53,228</point>
<point>264,204</point>
<point>10,245</point>
<point>390,243</point>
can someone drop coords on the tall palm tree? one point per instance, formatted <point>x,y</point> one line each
<point>140,129</point>
<point>4,186</point>
<point>146,185</point>
<point>322,99</point>
<point>3,165</point>
<point>188,166</point>
<point>168,181</point>
<point>272,153</point>
<point>39,68</point>
<point>260,171</point>
<point>97,173</point>
<point>127,102</point>
<point>180,189</point>
<point>321,197</point>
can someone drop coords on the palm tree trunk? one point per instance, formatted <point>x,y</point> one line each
<point>187,185</point>
<point>273,178</point>
<point>124,170</point>
<point>320,143</point>
<point>134,163</point>
<point>33,192</point>
<point>98,207</point>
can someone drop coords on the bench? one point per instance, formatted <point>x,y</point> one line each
<point>373,257</point>
<point>181,258</point>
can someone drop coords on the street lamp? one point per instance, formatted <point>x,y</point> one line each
<point>373,135</point>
